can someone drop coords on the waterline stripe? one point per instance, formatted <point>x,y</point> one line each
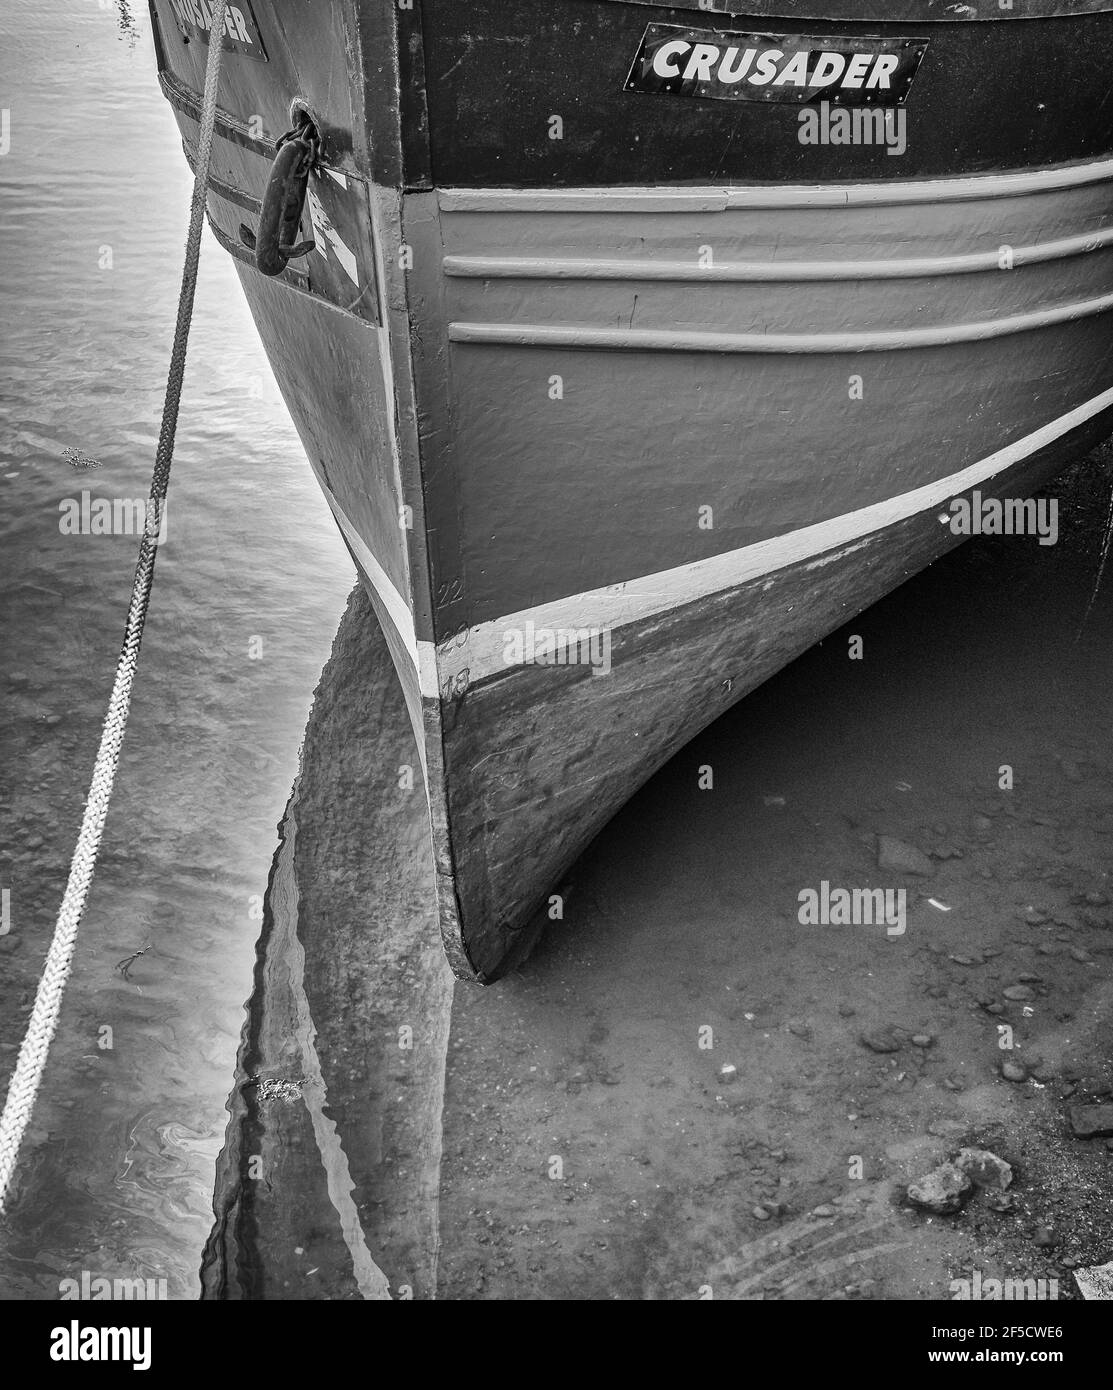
<point>422,654</point>
<point>616,605</point>
<point>481,649</point>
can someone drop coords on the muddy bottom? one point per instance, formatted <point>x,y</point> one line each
<point>687,1091</point>
<point>681,1096</point>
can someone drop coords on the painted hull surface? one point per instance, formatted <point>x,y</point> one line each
<point>625,390</point>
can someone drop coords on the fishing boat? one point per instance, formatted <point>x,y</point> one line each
<point>637,347</point>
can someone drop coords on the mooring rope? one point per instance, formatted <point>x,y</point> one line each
<point>43,1023</point>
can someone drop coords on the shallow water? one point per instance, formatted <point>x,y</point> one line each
<point>117,1173</point>
<point>574,1140</point>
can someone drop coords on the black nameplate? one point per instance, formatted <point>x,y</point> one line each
<point>727,66</point>
<point>241,33</point>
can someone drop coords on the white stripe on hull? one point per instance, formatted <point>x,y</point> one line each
<point>879,194</point>
<point>769,272</point>
<point>793,344</point>
<point>481,650</point>
<point>422,654</point>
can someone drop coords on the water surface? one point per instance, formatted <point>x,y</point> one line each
<point>116,1176</point>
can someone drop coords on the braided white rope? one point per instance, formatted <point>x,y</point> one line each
<point>24,1084</point>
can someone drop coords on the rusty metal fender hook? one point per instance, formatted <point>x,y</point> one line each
<point>284,201</point>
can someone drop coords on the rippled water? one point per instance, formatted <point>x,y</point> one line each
<point>117,1173</point>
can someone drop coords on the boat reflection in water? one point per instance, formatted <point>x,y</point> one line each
<point>336,1110</point>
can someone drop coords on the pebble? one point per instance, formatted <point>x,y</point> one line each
<point>1080,955</point>
<point>897,856</point>
<point>947,1129</point>
<point>922,1039</point>
<point>1019,992</point>
<point>1044,1237</point>
<point>880,1039</point>
<point>1033,916</point>
<point>943,1190</point>
<point>981,825</point>
<point>824,1211</point>
<point>1091,1121</point>
<point>1013,1071</point>
<point>984,1168</point>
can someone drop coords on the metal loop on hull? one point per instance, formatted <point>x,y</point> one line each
<point>284,201</point>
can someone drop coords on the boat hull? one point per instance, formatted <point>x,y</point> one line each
<point>612,439</point>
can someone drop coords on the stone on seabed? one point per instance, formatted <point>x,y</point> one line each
<point>943,1190</point>
<point>882,1039</point>
<point>1089,1121</point>
<point>899,857</point>
<point>983,1167</point>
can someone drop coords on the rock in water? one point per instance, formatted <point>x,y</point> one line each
<point>1019,992</point>
<point>943,1190</point>
<point>984,1168</point>
<point>1096,1281</point>
<point>901,858</point>
<point>883,1039</point>
<point>1090,1121</point>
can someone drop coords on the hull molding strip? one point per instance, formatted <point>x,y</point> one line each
<point>680,340</point>
<point>779,272</point>
<point>881,194</point>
